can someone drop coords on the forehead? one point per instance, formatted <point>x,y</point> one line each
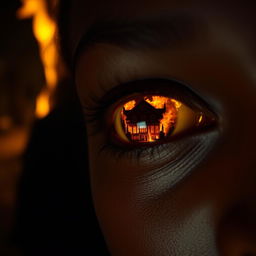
<point>237,15</point>
<point>147,7</point>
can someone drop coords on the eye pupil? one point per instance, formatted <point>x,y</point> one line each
<point>149,118</point>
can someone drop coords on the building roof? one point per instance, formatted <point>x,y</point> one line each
<point>144,111</point>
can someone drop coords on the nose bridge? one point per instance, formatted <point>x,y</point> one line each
<point>237,228</point>
<point>241,121</point>
<point>238,150</point>
<point>248,133</point>
<point>246,151</point>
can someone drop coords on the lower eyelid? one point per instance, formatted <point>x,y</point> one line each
<point>179,161</point>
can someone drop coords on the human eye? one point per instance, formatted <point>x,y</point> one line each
<point>150,118</point>
<point>147,116</point>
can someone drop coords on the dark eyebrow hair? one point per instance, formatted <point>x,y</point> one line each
<point>173,31</point>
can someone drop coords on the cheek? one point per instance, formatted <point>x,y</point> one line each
<point>157,226</point>
<point>137,220</point>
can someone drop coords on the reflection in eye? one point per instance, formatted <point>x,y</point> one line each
<point>154,118</point>
<point>149,116</point>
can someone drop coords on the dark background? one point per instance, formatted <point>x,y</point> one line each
<point>21,79</point>
<point>45,200</point>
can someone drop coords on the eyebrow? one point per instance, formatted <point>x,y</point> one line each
<point>155,33</point>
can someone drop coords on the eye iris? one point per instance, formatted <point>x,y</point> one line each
<point>149,118</point>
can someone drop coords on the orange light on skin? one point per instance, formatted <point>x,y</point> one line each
<point>44,29</point>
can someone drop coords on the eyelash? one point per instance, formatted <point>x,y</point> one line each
<point>95,114</point>
<point>131,153</point>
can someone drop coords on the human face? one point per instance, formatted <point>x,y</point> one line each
<point>197,196</point>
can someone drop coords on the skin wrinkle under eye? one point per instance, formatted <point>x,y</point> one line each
<point>191,152</point>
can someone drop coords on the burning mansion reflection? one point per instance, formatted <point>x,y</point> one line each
<point>149,118</point>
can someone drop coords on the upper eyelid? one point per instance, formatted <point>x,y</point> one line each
<point>145,85</point>
<point>175,89</point>
<point>173,30</point>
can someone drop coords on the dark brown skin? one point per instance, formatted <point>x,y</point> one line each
<point>206,209</point>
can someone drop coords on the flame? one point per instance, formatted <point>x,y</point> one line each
<point>44,29</point>
<point>170,115</point>
<point>150,137</point>
<point>42,104</point>
<point>177,104</point>
<point>172,106</point>
<point>130,105</point>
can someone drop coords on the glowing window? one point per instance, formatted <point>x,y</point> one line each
<point>141,125</point>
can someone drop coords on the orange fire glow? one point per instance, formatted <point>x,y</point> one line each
<point>42,104</point>
<point>165,124</point>
<point>44,29</point>
<point>130,105</point>
<point>172,107</point>
<point>150,136</point>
